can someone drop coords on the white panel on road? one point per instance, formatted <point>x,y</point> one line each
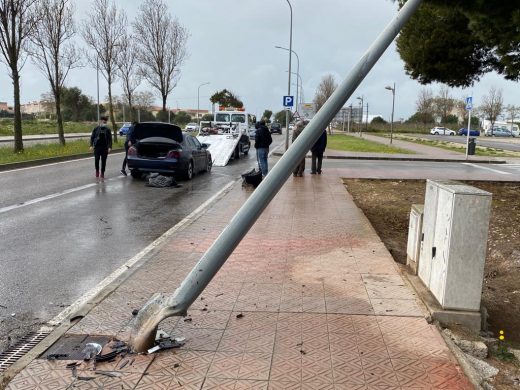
<point>221,147</point>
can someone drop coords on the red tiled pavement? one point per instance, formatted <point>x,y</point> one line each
<point>323,307</point>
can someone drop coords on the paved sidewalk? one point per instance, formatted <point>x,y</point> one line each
<point>323,307</point>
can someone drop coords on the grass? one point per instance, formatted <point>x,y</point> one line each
<point>43,151</point>
<point>348,143</point>
<point>480,150</point>
<point>35,127</point>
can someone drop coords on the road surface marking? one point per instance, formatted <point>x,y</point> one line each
<point>52,196</point>
<point>90,295</point>
<point>488,169</point>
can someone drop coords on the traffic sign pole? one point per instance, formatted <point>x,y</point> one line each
<point>469,106</point>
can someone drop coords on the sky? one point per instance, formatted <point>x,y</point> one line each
<point>232,45</point>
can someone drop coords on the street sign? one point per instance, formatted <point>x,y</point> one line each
<point>288,101</point>
<point>469,103</point>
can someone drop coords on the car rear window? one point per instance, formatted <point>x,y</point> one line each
<point>165,130</point>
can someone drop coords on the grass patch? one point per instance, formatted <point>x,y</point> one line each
<point>43,151</point>
<point>35,127</point>
<point>460,148</point>
<point>348,143</point>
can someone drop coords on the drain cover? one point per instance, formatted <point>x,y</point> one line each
<point>16,352</point>
<point>70,346</point>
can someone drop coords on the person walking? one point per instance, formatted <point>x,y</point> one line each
<point>298,171</point>
<point>101,143</point>
<point>262,141</point>
<point>317,153</point>
<point>128,143</point>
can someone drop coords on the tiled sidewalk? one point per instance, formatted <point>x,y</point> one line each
<point>323,307</point>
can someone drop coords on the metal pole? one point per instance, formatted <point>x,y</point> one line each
<point>366,124</point>
<point>349,119</point>
<point>160,306</point>
<point>467,136</point>
<point>124,120</point>
<point>288,82</point>
<point>343,119</point>
<point>169,112</point>
<point>97,83</point>
<point>392,118</point>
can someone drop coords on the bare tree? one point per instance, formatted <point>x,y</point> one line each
<point>143,100</point>
<point>492,106</point>
<point>52,49</point>
<point>104,31</point>
<point>162,46</point>
<point>325,90</point>
<point>425,105</point>
<point>130,78</point>
<point>444,103</point>
<point>17,22</point>
<point>512,113</point>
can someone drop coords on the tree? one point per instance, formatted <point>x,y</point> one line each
<point>182,118</point>
<point>52,50</point>
<point>325,89</point>
<point>74,104</point>
<point>130,78</point>
<point>425,106</point>
<point>443,103</point>
<point>162,46</point>
<point>267,115</point>
<point>226,98</point>
<point>421,117</point>
<point>492,106</point>
<point>17,22</point>
<point>457,41</point>
<point>280,116</point>
<point>206,117</point>
<point>142,102</point>
<point>512,112</point>
<point>104,31</point>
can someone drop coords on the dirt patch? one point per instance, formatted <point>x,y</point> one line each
<point>387,204</point>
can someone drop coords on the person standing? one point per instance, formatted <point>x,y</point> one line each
<point>262,141</point>
<point>128,143</point>
<point>317,151</point>
<point>101,143</point>
<point>298,171</point>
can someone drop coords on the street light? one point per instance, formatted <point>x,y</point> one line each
<point>198,102</point>
<point>392,118</point>
<point>288,82</point>
<point>297,67</point>
<point>360,114</point>
<point>300,86</point>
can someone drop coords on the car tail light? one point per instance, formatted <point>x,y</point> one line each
<point>132,151</point>
<point>174,154</point>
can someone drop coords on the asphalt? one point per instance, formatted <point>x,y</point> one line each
<point>310,299</point>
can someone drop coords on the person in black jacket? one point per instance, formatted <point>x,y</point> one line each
<point>262,141</point>
<point>128,143</point>
<point>317,151</point>
<point>101,143</point>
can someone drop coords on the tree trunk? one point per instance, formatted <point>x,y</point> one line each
<point>164,102</point>
<point>111,109</point>
<point>131,108</point>
<point>59,118</point>
<point>18,142</point>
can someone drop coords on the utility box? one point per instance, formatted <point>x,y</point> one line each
<point>413,247</point>
<point>453,251</point>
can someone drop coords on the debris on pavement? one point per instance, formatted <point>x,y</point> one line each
<point>91,350</point>
<point>112,374</point>
<point>56,356</point>
<point>240,315</point>
<point>135,312</point>
<point>167,343</point>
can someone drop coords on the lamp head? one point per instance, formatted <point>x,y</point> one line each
<point>389,88</point>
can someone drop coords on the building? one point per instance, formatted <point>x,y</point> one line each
<point>5,107</point>
<point>35,108</point>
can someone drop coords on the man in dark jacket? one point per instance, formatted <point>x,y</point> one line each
<point>317,151</point>
<point>262,141</point>
<point>101,143</point>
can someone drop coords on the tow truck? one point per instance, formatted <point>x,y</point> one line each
<point>227,135</point>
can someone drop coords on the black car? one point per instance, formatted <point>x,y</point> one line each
<point>164,148</point>
<point>276,128</point>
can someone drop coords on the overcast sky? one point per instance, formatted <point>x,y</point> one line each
<point>232,45</point>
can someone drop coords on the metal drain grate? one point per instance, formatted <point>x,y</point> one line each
<point>17,351</point>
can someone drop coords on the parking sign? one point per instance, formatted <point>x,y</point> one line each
<point>469,103</point>
<point>288,101</point>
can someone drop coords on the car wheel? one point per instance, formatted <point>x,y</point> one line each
<point>136,174</point>
<point>236,155</point>
<point>209,165</point>
<point>189,171</point>
<point>435,133</point>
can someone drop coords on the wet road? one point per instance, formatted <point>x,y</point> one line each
<point>62,233</point>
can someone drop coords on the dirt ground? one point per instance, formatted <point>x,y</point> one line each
<point>387,203</point>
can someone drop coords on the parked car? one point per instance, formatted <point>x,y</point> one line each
<point>252,132</point>
<point>124,129</point>
<point>164,148</point>
<point>276,128</point>
<point>499,132</point>
<point>192,126</point>
<point>472,132</point>
<point>441,131</point>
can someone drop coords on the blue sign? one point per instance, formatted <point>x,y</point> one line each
<point>469,103</point>
<point>288,101</point>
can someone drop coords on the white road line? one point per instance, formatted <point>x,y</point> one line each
<point>90,295</point>
<point>488,169</point>
<point>52,196</point>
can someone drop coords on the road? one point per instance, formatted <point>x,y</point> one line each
<point>512,144</point>
<point>63,233</point>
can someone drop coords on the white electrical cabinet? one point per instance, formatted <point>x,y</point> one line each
<point>413,246</point>
<point>453,250</point>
